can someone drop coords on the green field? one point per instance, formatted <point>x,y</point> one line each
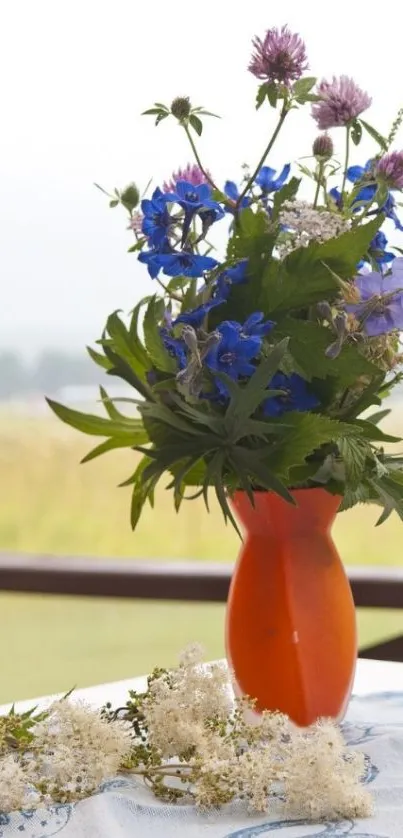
<point>52,505</point>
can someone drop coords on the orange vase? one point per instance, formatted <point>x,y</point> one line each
<point>291,629</point>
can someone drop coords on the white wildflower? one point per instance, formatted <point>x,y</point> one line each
<point>14,792</point>
<point>305,224</point>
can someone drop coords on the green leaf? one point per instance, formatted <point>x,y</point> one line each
<point>307,275</point>
<point>354,453</point>
<point>261,474</point>
<point>110,408</point>
<point>382,142</point>
<point>196,124</point>
<point>308,432</point>
<point>272,93</point>
<point>244,403</point>
<point>114,203</point>
<point>356,132</point>
<point>261,95</point>
<point>303,86</point>
<point>153,111</point>
<point>308,342</point>
<point>127,345</point>
<point>372,432</point>
<point>137,246</point>
<point>377,417</point>
<point>160,117</point>
<point>139,438</point>
<point>99,359</point>
<point>152,338</point>
<point>124,429</point>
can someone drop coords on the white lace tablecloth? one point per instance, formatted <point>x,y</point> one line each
<point>124,809</point>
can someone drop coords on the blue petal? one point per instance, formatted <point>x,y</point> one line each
<point>366,193</point>
<point>231,190</point>
<point>355,173</point>
<point>283,175</point>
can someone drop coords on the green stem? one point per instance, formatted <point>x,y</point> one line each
<point>346,159</point>
<point>168,292</point>
<point>318,184</point>
<point>197,158</point>
<point>250,181</point>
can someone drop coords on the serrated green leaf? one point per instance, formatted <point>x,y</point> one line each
<point>308,342</point>
<point>303,86</point>
<point>309,432</point>
<point>152,337</point>
<point>260,472</point>
<point>307,275</point>
<point>354,453</point>
<point>382,142</point>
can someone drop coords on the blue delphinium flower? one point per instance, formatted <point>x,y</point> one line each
<point>238,346</point>
<point>368,191</point>
<point>176,263</point>
<point>237,275</point>
<point>176,348</point>
<point>156,221</point>
<point>267,180</point>
<point>380,308</point>
<point>194,198</point>
<point>232,192</point>
<point>194,317</point>
<point>377,250</point>
<point>297,395</point>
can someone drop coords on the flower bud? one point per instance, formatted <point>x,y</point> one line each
<point>181,107</point>
<point>130,196</point>
<point>323,147</point>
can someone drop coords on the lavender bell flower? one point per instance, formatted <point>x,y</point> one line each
<point>389,169</point>
<point>341,102</point>
<point>380,308</point>
<point>280,57</point>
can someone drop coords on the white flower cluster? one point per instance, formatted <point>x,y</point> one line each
<point>304,224</point>
<point>71,752</point>
<point>188,738</point>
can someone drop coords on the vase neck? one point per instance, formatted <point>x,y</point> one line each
<point>313,509</point>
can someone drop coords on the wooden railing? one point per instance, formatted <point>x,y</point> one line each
<point>186,581</point>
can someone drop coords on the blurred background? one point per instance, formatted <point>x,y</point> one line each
<point>76,75</point>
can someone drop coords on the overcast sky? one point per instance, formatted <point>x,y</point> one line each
<point>75,76</point>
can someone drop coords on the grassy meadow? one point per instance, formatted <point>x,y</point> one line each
<point>49,504</point>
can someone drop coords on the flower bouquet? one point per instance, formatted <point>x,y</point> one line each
<point>254,367</point>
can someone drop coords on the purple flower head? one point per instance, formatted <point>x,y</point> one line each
<point>268,181</point>
<point>389,169</point>
<point>341,102</point>
<point>380,309</point>
<point>191,174</point>
<point>280,57</point>
<point>136,222</point>
<point>297,395</point>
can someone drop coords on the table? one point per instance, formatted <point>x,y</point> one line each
<point>124,809</point>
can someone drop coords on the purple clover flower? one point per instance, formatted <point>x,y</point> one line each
<point>191,174</point>
<point>280,57</point>
<point>341,102</point>
<point>380,309</point>
<point>389,169</point>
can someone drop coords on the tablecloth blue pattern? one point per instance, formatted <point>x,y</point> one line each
<point>123,808</point>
